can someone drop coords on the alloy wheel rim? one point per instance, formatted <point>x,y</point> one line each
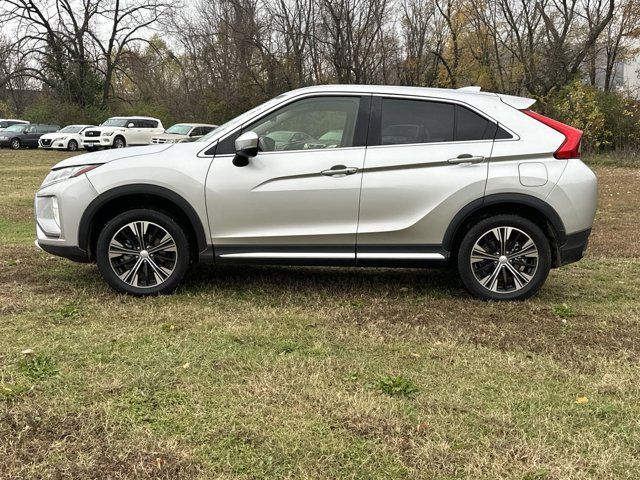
<point>15,144</point>
<point>72,146</point>
<point>119,143</point>
<point>143,254</point>
<point>504,259</point>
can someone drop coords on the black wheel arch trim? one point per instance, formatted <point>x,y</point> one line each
<point>505,198</point>
<point>84,230</point>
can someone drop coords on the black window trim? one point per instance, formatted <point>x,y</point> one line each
<point>360,133</point>
<point>375,123</point>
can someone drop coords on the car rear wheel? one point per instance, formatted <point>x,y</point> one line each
<point>143,252</point>
<point>72,146</point>
<point>504,257</point>
<point>119,142</point>
<point>15,144</point>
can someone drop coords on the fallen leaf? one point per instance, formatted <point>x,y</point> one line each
<point>186,365</point>
<point>582,400</point>
<point>28,351</point>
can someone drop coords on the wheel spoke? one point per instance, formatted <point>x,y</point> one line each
<point>160,272</point>
<point>491,281</point>
<point>166,245</point>
<point>479,254</point>
<point>132,274</point>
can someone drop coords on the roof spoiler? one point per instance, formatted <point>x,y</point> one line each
<point>520,103</point>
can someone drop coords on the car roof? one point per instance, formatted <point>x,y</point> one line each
<point>464,94</point>
<point>194,124</point>
<point>136,116</point>
<point>13,120</point>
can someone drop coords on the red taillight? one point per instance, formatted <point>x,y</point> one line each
<point>570,148</point>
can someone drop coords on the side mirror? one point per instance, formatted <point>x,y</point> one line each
<point>131,125</point>
<point>246,148</point>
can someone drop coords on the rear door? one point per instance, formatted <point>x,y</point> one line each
<point>425,160</point>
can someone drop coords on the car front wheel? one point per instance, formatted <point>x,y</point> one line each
<point>119,142</point>
<point>504,257</point>
<point>15,144</point>
<point>143,252</point>
<point>72,146</point>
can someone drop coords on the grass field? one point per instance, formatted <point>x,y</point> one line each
<point>275,372</point>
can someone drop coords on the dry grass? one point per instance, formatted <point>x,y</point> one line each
<point>266,372</point>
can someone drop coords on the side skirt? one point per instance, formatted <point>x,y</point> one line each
<point>410,256</point>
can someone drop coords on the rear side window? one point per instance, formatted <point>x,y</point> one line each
<point>415,121</point>
<point>422,121</point>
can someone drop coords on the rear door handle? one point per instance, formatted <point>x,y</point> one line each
<point>465,158</point>
<point>339,171</point>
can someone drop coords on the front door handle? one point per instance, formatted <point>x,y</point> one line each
<point>339,171</point>
<point>465,158</point>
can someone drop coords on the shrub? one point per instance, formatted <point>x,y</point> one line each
<point>577,105</point>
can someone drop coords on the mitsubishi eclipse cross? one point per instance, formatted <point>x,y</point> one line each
<point>336,175</point>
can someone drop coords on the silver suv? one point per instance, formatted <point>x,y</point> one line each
<point>336,175</point>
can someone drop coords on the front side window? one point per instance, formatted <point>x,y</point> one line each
<point>178,129</point>
<point>116,122</point>
<point>71,129</point>
<point>303,125</point>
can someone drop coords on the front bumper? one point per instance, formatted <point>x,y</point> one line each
<point>97,142</point>
<point>58,211</point>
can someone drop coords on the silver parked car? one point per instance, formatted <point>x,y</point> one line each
<point>384,176</point>
<point>183,132</point>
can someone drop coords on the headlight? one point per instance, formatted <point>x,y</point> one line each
<point>4,138</point>
<point>59,139</point>
<point>61,174</point>
<point>107,134</point>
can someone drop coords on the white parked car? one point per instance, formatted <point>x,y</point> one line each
<point>405,176</point>
<point>120,132</point>
<point>7,122</point>
<point>69,138</point>
<point>182,132</point>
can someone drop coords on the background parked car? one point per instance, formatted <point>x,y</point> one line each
<point>69,138</point>
<point>19,135</point>
<point>7,122</point>
<point>182,132</point>
<point>120,132</point>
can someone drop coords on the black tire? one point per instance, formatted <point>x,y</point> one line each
<point>507,285</point>
<point>90,149</point>
<point>72,146</point>
<point>119,142</point>
<point>117,228</point>
<point>15,144</point>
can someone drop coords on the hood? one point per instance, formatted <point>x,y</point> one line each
<point>106,129</point>
<point>171,136</point>
<point>53,135</point>
<point>106,156</point>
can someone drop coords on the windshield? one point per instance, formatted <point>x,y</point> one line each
<point>16,128</point>
<point>240,119</point>
<point>71,129</point>
<point>179,129</point>
<point>115,122</point>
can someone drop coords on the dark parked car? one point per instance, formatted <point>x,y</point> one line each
<point>17,136</point>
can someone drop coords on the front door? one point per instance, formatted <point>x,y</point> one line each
<point>425,161</point>
<point>297,200</point>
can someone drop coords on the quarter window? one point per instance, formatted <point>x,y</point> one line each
<point>471,126</point>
